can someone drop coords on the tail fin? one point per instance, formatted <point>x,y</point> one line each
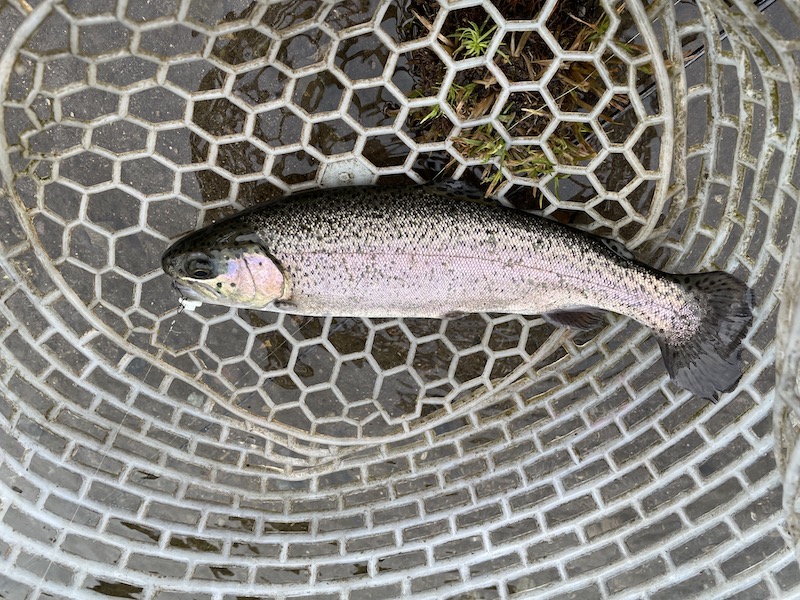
<point>710,361</point>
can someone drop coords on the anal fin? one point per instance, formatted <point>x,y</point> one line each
<point>582,318</point>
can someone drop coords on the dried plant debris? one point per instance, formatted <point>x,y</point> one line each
<point>523,56</point>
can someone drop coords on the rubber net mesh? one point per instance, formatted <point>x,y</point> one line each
<point>152,453</point>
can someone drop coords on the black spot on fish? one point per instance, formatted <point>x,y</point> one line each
<point>219,285</point>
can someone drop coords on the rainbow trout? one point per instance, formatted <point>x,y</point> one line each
<point>422,251</point>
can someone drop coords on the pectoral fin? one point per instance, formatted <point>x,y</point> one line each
<point>583,318</point>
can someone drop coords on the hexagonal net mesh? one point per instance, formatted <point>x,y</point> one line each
<point>153,453</point>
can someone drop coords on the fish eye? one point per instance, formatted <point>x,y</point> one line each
<point>200,268</point>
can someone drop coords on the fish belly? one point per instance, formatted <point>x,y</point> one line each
<point>387,284</point>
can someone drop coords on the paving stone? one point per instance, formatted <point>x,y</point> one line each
<point>167,595</point>
<point>684,414</point>
<point>151,481</point>
<point>338,479</point>
<point>528,419</point>
<point>26,354</point>
<point>231,522</point>
<point>127,445</point>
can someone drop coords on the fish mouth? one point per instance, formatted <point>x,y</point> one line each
<point>186,292</point>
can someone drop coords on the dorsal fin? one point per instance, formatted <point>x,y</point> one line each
<point>456,187</point>
<point>617,248</point>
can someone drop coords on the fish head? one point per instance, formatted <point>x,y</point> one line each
<point>224,267</point>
